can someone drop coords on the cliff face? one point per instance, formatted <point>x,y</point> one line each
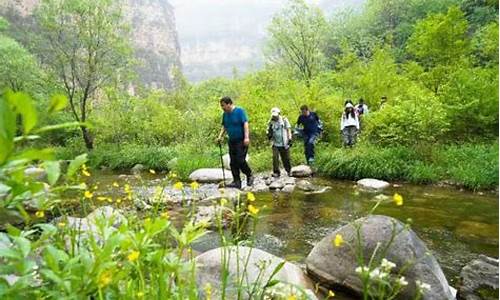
<point>154,36</point>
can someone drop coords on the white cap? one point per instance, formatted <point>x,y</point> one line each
<point>275,112</point>
<point>349,105</point>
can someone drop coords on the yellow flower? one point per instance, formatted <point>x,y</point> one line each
<point>339,240</point>
<point>178,185</point>
<point>164,215</point>
<point>291,297</point>
<point>194,185</point>
<point>110,200</point>
<point>115,184</point>
<point>133,256</point>
<point>88,194</point>
<point>101,198</point>
<point>95,187</point>
<point>84,167</point>
<point>250,196</point>
<point>331,294</point>
<point>398,199</point>
<point>253,210</point>
<point>126,187</point>
<point>140,294</point>
<point>86,173</point>
<point>208,291</point>
<point>119,200</point>
<point>40,214</point>
<point>105,279</point>
<point>61,224</point>
<point>152,171</point>
<point>223,201</point>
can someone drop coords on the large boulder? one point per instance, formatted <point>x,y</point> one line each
<point>226,160</point>
<point>255,267</point>
<point>302,171</point>
<point>137,169</point>
<point>372,184</point>
<point>479,279</point>
<point>210,175</point>
<point>335,266</point>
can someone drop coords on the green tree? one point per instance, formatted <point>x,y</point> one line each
<point>439,43</point>
<point>85,44</point>
<point>297,38</point>
<point>19,70</point>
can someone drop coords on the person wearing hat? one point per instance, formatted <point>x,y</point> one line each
<point>312,127</point>
<point>349,125</point>
<point>279,132</point>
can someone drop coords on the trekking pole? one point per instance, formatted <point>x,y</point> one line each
<point>222,165</point>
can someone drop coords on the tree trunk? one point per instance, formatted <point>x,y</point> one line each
<point>87,138</point>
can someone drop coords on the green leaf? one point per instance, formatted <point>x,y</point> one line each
<point>76,164</point>
<point>61,126</point>
<point>25,107</point>
<point>53,169</point>
<point>24,245</point>
<point>7,130</point>
<point>57,103</point>
<point>35,154</point>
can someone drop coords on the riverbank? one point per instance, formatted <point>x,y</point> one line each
<point>471,166</point>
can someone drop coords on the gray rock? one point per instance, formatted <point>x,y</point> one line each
<point>209,175</point>
<point>227,161</point>
<point>302,171</point>
<point>288,188</point>
<point>209,214</point>
<point>372,184</point>
<point>137,169</point>
<point>318,190</point>
<point>260,188</point>
<point>479,279</point>
<point>336,265</point>
<point>36,173</point>
<point>276,185</point>
<point>208,271</point>
<point>305,185</point>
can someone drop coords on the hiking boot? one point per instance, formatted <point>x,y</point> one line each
<point>250,180</point>
<point>234,184</point>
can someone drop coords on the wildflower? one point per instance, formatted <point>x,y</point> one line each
<point>133,256</point>
<point>339,240</point>
<point>361,270</point>
<point>398,199</point>
<point>86,173</point>
<point>253,210</point>
<point>152,171</point>
<point>387,265</point>
<point>127,189</point>
<point>88,194</point>
<point>422,285</point>
<point>101,198</point>
<point>223,201</point>
<point>119,200</point>
<point>194,185</point>
<point>250,196</point>
<point>110,200</point>
<point>178,185</point>
<point>402,281</point>
<point>208,291</point>
<point>95,187</point>
<point>140,294</point>
<point>164,215</point>
<point>331,294</point>
<point>115,184</point>
<point>105,279</point>
<point>173,175</point>
<point>291,297</point>
<point>61,224</point>
<point>40,214</point>
<point>377,274</point>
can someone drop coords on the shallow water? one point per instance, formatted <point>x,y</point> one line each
<point>456,225</point>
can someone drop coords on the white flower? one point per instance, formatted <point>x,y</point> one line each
<point>360,270</point>
<point>377,274</point>
<point>387,265</point>
<point>402,281</point>
<point>422,285</point>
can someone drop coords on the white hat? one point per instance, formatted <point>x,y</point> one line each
<point>275,112</point>
<point>349,105</point>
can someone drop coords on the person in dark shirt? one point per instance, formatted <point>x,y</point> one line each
<point>235,123</point>
<point>311,129</point>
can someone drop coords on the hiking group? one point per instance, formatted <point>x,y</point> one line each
<point>279,132</point>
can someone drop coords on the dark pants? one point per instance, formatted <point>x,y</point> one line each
<point>237,154</point>
<point>349,135</point>
<point>309,141</point>
<point>285,158</point>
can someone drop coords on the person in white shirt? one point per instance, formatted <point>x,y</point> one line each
<point>361,107</point>
<point>349,125</point>
<point>280,134</point>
